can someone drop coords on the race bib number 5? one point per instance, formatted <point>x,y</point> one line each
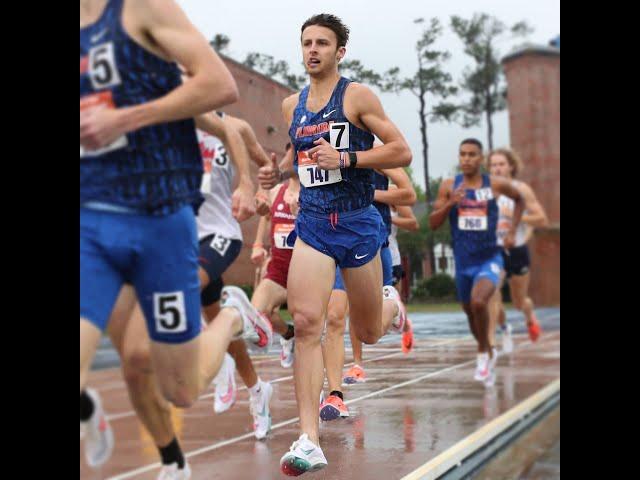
<point>313,176</point>
<point>280,234</point>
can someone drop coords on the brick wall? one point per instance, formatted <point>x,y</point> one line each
<point>260,104</point>
<point>533,96</point>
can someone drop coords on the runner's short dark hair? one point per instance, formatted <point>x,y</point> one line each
<point>331,22</point>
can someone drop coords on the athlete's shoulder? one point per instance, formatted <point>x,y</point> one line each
<point>360,92</point>
<point>289,105</point>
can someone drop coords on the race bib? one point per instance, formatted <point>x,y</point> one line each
<point>280,234</point>
<point>313,176</point>
<point>220,244</point>
<point>484,194</point>
<point>100,100</point>
<point>339,135</point>
<point>472,216</point>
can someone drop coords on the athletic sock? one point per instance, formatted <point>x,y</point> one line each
<point>86,406</point>
<point>172,454</point>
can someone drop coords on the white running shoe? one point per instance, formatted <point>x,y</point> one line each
<point>225,385</point>
<point>507,340</point>
<point>389,292</point>
<point>257,328</point>
<point>491,379</point>
<point>286,356</point>
<point>172,472</point>
<point>482,367</point>
<point>259,407</point>
<point>303,456</point>
<point>98,438</point>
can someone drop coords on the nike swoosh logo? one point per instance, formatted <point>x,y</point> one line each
<point>325,115</point>
<point>306,452</point>
<point>359,257</point>
<point>98,36</point>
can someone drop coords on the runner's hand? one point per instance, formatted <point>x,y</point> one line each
<point>458,195</point>
<point>291,199</point>
<point>327,157</point>
<point>269,176</point>
<point>242,207</point>
<point>509,240</point>
<point>99,127</point>
<point>262,203</point>
<point>258,255</point>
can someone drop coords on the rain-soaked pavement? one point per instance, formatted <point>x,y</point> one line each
<point>410,409</point>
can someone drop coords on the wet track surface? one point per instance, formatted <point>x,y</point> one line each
<point>411,408</point>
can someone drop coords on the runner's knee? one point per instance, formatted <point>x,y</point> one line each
<point>308,326</point>
<point>335,322</point>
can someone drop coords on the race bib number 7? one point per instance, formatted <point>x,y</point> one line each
<point>313,176</point>
<point>280,234</point>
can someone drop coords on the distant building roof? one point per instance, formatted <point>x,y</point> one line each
<point>532,48</point>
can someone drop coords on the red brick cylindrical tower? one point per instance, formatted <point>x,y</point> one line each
<point>533,96</point>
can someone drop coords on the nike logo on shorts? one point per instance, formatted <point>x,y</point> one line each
<point>360,257</point>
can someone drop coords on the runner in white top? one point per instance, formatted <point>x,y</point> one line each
<point>506,163</point>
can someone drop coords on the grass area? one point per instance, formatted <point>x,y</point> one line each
<point>432,307</point>
<point>411,308</point>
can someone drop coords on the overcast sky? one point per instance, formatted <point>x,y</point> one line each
<point>383,35</point>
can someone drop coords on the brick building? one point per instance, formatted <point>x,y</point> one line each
<point>260,104</point>
<point>533,95</point>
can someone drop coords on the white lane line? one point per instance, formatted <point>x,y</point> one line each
<point>131,413</point>
<point>246,436</point>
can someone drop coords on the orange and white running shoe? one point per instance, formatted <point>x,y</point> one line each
<point>333,407</point>
<point>354,375</point>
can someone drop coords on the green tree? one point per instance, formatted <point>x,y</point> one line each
<point>431,85</point>
<point>220,42</point>
<point>484,81</point>
<point>276,69</point>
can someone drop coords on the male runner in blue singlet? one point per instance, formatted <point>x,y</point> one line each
<point>332,123</point>
<point>469,200</point>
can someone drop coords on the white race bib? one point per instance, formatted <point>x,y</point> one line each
<point>472,215</point>
<point>280,234</point>
<point>339,135</point>
<point>313,176</point>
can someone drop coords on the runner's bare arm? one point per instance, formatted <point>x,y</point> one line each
<point>270,175</point>
<point>406,220</point>
<point>443,204</point>
<point>242,199</point>
<point>363,105</point>
<point>258,252</point>
<point>403,194</point>
<point>210,84</point>
<point>534,214</point>
<point>256,152</point>
<point>506,187</point>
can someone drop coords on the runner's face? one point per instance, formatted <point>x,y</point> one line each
<point>319,50</point>
<point>470,158</point>
<point>499,166</point>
